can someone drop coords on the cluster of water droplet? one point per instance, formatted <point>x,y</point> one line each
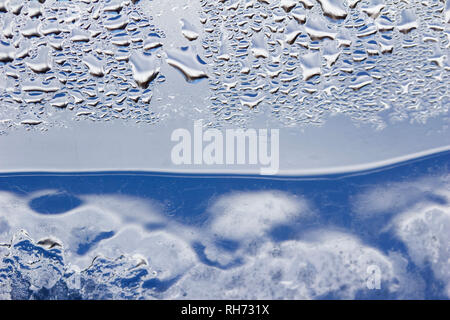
<point>37,270</point>
<point>96,58</point>
<point>306,59</point>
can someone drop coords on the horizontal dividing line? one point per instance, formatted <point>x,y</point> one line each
<point>295,174</point>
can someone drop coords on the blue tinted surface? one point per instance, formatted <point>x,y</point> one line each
<point>187,201</point>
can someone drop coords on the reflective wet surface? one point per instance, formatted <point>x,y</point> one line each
<point>300,61</point>
<point>94,89</point>
<point>138,235</point>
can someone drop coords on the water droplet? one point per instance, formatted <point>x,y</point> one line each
<point>6,52</point>
<point>259,46</point>
<point>333,8</point>
<point>144,67</point>
<point>42,62</point>
<point>311,63</point>
<point>188,30</point>
<point>187,61</point>
<point>317,28</point>
<point>95,65</point>
<point>408,21</point>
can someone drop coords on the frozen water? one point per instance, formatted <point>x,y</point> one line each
<point>131,236</point>
<point>70,69</point>
<point>252,42</point>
